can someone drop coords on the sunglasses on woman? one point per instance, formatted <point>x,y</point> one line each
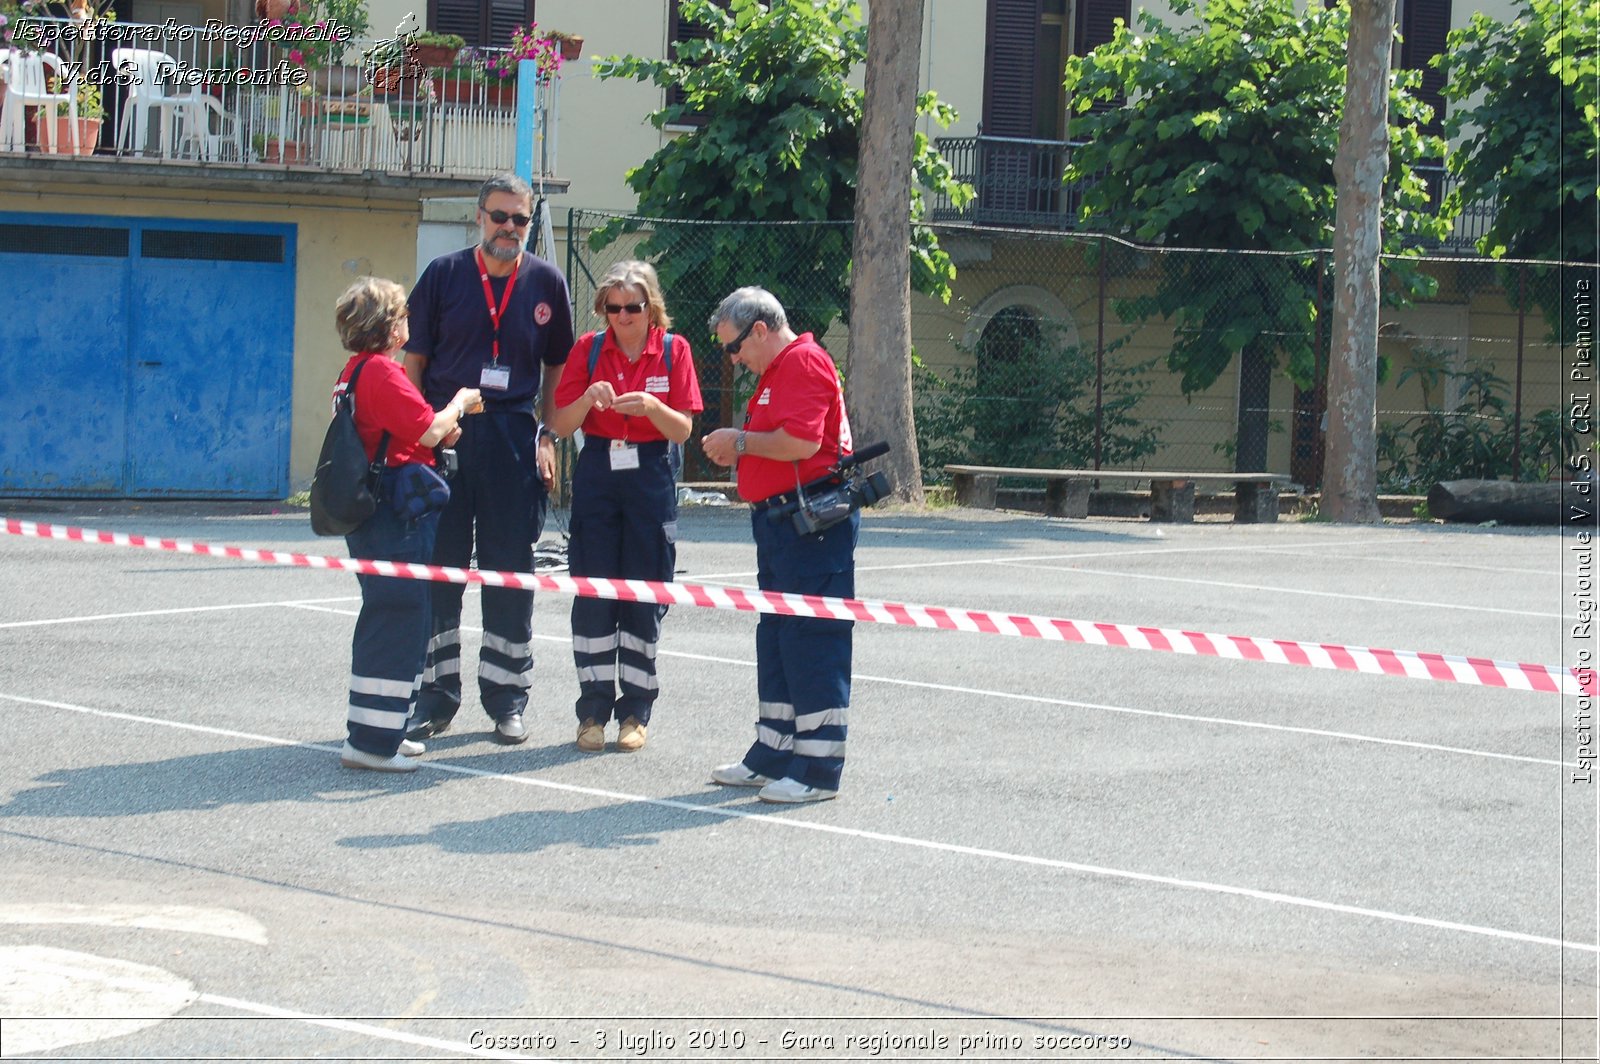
<point>626,308</point>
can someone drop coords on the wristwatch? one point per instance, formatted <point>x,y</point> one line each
<point>546,433</point>
<point>739,442</point>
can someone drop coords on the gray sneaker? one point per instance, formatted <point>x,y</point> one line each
<point>510,730</point>
<point>737,775</point>
<point>792,792</point>
<point>350,757</point>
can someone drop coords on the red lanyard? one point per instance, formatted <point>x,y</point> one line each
<point>496,313</point>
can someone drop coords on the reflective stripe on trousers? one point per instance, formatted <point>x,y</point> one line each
<point>803,663</point>
<point>624,526</point>
<point>390,642</point>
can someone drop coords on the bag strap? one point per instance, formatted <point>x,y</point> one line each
<point>350,397</point>
<point>600,341</point>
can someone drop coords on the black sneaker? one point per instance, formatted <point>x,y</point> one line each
<point>429,728</point>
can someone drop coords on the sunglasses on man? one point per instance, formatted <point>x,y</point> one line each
<point>732,347</point>
<point>502,217</point>
<point>625,308</point>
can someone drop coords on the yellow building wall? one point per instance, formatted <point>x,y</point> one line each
<point>336,241</point>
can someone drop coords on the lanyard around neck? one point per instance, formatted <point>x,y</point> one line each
<point>496,313</point>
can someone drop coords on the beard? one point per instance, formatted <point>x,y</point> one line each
<point>495,251</point>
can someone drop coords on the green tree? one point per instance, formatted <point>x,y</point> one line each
<point>779,144</point>
<point>1227,141</point>
<point>1531,143</point>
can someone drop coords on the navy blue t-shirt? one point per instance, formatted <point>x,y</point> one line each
<point>450,326</point>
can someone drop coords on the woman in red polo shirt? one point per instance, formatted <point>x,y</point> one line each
<point>633,390</point>
<point>391,637</point>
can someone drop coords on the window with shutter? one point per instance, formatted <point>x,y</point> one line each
<point>1094,24</point>
<point>1424,24</point>
<point>483,23</point>
<point>680,30</point>
<point>1010,55</point>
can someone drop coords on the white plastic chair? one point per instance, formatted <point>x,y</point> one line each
<point>206,138</point>
<point>28,86</point>
<point>153,73</point>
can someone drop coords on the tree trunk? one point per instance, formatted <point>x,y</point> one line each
<point>1350,482</point>
<point>878,391</point>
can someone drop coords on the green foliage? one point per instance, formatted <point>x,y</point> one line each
<point>1531,143</point>
<point>1228,141</point>
<point>1028,400</point>
<point>1474,441</point>
<point>779,143</point>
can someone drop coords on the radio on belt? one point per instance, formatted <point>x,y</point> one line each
<point>824,503</point>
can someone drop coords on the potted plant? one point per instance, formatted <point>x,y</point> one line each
<point>436,49</point>
<point>569,44</point>
<point>91,113</point>
<point>527,43</point>
<point>274,150</point>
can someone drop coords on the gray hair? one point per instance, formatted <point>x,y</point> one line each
<point>504,183</point>
<point>746,306</point>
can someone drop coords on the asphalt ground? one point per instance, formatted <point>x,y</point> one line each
<point>1041,851</point>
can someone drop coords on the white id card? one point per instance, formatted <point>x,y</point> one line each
<point>497,378</point>
<point>624,455</point>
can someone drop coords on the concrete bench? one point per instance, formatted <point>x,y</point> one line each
<point>1066,492</point>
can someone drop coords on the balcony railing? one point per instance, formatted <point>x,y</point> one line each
<point>1020,183</point>
<point>219,95</point>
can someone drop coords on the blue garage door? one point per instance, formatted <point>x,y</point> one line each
<point>148,358</point>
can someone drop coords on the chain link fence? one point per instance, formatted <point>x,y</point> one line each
<point>1070,350</point>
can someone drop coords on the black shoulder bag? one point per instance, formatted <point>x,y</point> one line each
<point>344,489</point>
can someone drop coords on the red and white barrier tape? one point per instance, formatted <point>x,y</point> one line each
<point>1482,672</point>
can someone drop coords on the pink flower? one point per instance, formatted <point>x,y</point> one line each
<point>297,57</point>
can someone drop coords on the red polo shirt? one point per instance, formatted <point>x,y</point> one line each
<point>387,401</point>
<point>679,389</point>
<point>800,393</point>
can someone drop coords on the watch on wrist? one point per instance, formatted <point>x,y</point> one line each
<point>739,442</point>
<point>546,433</point>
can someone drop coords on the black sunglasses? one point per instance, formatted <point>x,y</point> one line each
<point>631,308</point>
<point>732,348</point>
<point>501,218</point>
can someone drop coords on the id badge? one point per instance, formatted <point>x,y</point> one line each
<point>624,455</point>
<point>497,378</point>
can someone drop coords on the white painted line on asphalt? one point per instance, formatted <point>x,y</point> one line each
<point>767,818</point>
<point>985,692</point>
<point>1130,552</point>
<point>1380,599</point>
<point>54,998</point>
<point>1292,553</point>
<point>371,1030</point>
<point>171,612</point>
<point>190,919</point>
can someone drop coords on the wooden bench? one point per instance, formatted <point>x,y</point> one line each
<point>1066,492</point>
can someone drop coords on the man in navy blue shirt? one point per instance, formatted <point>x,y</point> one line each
<point>496,318</point>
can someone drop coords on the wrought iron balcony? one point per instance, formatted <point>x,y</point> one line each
<point>230,98</point>
<point>1020,183</point>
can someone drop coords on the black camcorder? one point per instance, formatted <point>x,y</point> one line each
<point>824,503</point>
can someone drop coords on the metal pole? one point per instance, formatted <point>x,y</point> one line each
<point>1100,361</point>
<point>1516,406</point>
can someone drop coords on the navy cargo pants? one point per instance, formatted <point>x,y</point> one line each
<point>624,526</point>
<point>803,663</point>
<point>497,503</point>
<point>391,638</point>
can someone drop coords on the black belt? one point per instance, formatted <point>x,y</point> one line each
<point>789,498</point>
<point>784,498</point>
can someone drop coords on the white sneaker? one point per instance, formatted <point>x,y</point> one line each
<point>350,757</point>
<point>411,748</point>
<point>792,792</point>
<point>737,775</point>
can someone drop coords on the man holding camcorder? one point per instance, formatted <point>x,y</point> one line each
<point>795,434</point>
